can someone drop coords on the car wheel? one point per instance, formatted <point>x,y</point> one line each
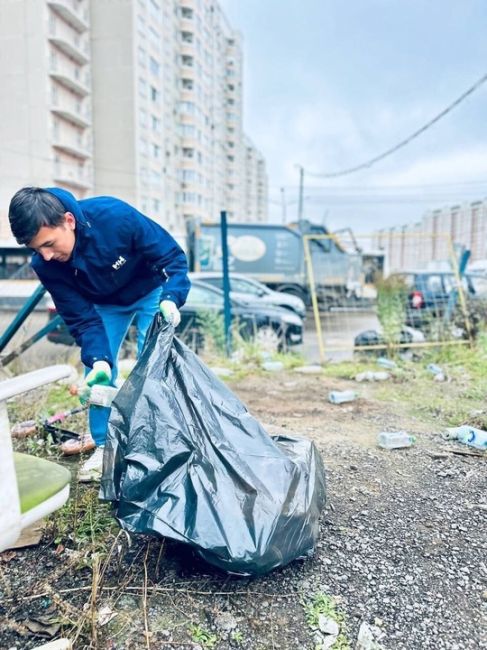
<point>268,339</point>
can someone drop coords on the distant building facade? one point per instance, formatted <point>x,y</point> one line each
<point>437,238</point>
<point>141,99</point>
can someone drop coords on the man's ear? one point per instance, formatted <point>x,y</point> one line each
<point>69,220</point>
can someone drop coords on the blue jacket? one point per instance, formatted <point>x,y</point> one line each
<point>119,256</point>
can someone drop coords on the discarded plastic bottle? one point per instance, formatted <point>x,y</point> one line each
<point>372,376</point>
<point>384,362</point>
<point>395,440</point>
<point>434,369</point>
<point>101,398</point>
<point>468,436</point>
<point>339,397</point>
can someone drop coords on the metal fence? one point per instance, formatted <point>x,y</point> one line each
<point>368,307</point>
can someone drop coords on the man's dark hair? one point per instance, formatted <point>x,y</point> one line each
<point>30,209</point>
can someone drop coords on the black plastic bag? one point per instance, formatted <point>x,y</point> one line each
<point>184,459</point>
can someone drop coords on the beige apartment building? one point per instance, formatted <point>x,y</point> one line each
<point>255,195</point>
<point>45,105</point>
<point>141,99</point>
<point>434,242</point>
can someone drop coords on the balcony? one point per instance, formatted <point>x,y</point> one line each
<point>71,147</point>
<point>71,77</point>
<point>69,175</point>
<point>69,12</point>
<point>71,45</point>
<point>79,118</point>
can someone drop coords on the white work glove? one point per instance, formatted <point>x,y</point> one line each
<point>101,374</point>
<point>170,312</point>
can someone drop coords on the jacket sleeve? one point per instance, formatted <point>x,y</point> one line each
<point>81,318</point>
<point>164,256</point>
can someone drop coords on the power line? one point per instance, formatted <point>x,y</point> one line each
<point>403,143</point>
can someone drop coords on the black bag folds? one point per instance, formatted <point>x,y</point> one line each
<point>185,460</point>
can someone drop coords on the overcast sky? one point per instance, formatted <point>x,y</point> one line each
<point>329,84</point>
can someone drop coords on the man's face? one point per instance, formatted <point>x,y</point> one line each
<point>56,242</point>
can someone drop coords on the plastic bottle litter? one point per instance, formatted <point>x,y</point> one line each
<point>101,398</point>
<point>436,371</point>
<point>384,362</point>
<point>467,435</point>
<point>395,440</point>
<point>339,397</point>
<point>273,366</point>
<point>372,376</point>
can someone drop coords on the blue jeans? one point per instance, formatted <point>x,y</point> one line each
<point>117,320</point>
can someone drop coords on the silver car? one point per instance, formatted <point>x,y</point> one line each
<point>244,288</point>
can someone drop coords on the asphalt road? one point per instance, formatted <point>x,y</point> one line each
<point>339,329</point>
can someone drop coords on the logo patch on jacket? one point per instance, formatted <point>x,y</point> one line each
<point>120,262</point>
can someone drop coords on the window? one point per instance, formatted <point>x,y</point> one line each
<point>154,94</point>
<point>142,88</point>
<point>141,56</point>
<point>154,67</point>
<point>187,60</point>
<point>187,37</point>
<point>155,123</point>
<point>205,296</point>
<point>187,13</point>
<point>142,117</point>
<point>187,84</point>
<point>143,147</point>
<point>154,38</point>
<point>188,152</point>
<point>156,205</point>
<point>156,151</point>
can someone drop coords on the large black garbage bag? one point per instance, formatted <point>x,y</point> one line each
<point>184,459</point>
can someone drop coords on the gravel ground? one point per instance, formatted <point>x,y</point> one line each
<point>402,547</point>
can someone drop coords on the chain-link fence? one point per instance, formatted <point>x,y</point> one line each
<point>362,303</point>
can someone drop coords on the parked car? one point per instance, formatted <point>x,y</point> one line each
<point>243,287</point>
<point>429,292</point>
<point>273,327</point>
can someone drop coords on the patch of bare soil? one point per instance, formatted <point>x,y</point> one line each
<point>402,545</point>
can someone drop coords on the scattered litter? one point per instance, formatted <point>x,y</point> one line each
<point>384,362</point>
<point>368,637</point>
<point>79,445</point>
<point>340,397</point>
<point>59,644</point>
<point>46,626</point>
<point>372,376</point>
<point>417,336</point>
<point>327,632</point>
<point>395,440</point>
<point>105,615</point>
<point>221,372</point>
<point>328,625</point>
<point>436,371</point>
<point>309,370</point>
<point>467,435</point>
<point>24,429</point>
<point>273,366</point>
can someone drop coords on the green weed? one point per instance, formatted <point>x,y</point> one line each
<point>323,604</point>
<point>203,637</point>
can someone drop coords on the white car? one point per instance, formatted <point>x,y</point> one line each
<point>242,287</point>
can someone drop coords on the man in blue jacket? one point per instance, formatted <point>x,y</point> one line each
<point>103,262</point>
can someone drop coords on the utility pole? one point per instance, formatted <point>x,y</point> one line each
<point>283,200</point>
<point>300,202</point>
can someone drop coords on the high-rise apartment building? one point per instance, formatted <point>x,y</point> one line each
<point>45,104</point>
<point>141,99</point>
<point>255,193</point>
